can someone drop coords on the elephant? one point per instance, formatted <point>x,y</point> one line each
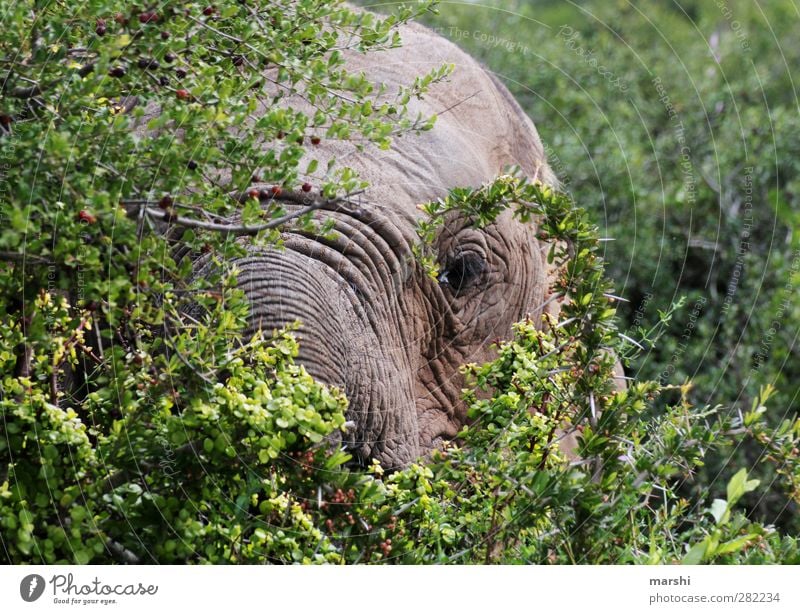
<point>373,323</point>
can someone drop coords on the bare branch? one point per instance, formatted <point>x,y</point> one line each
<point>121,552</point>
<point>244,229</point>
<point>24,258</point>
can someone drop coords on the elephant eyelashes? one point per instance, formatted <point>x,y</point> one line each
<point>463,272</point>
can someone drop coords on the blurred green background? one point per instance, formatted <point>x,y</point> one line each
<point>676,124</point>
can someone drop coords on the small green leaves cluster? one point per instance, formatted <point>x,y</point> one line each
<point>137,424</point>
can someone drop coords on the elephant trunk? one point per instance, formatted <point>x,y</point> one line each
<point>341,344</point>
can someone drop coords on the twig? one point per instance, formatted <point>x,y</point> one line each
<point>243,229</point>
<point>122,553</point>
<point>24,257</point>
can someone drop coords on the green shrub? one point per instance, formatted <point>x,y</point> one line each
<point>673,124</point>
<point>136,430</point>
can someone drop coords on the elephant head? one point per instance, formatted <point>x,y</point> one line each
<point>373,323</point>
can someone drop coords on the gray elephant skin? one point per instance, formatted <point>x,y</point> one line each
<point>373,323</point>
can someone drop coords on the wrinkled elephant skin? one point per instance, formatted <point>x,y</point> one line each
<point>373,323</point>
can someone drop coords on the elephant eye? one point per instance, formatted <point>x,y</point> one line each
<point>463,271</point>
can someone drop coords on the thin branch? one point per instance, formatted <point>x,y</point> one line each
<point>25,92</point>
<point>122,553</point>
<point>24,258</point>
<point>244,229</point>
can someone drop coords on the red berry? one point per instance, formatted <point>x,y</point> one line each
<point>85,216</point>
<point>315,140</point>
<point>306,187</point>
<point>276,190</point>
<point>182,94</point>
<point>253,193</point>
<point>148,17</point>
<point>5,120</point>
<point>120,19</point>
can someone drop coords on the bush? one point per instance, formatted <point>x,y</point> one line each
<point>671,123</point>
<point>138,425</point>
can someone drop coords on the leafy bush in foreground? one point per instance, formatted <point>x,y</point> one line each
<point>674,124</point>
<point>241,473</point>
<point>133,432</point>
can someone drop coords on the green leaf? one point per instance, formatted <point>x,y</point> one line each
<point>736,544</point>
<point>719,510</point>
<point>695,554</point>
<point>739,485</point>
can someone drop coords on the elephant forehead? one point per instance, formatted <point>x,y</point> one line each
<point>480,130</point>
<point>425,169</point>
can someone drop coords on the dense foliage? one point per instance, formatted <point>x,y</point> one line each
<point>137,428</point>
<point>674,124</point>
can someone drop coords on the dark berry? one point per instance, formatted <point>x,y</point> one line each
<point>164,35</point>
<point>169,58</point>
<point>148,17</point>
<point>120,19</point>
<point>315,140</point>
<point>191,165</point>
<point>5,120</point>
<point>163,80</point>
<point>166,202</point>
<point>306,187</point>
<point>145,63</point>
<point>117,71</point>
<point>263,195</point>
<point>238,60</point>
<point>180,73</point>
<point>208,11</point>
